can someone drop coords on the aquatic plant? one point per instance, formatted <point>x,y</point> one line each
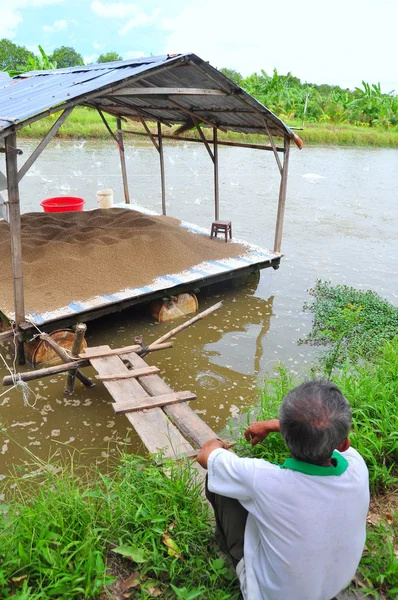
<point>349,322</point>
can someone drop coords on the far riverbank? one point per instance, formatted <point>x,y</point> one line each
<point>86,123</point>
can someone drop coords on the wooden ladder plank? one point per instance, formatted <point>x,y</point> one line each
<point>154,428</point>
<point>99,351</point>
<point>187,421</point>
<point>153,402</point>
<point>102,351</point>
<point>129,374</point>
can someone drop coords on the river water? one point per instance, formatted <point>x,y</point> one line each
<point>340,224</point>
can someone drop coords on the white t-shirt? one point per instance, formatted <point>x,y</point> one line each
<point>305,533</point>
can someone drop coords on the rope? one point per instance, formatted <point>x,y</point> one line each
<point>72,358</point>
<point>18,384</point>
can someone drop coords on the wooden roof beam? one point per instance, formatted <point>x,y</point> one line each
<point>199,141</point>
<point>195,115</point>
<point>167,91</point>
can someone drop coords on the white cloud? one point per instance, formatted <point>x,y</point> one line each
<point>60,25</point>
<point>141,20</point>
<point>11,16</point>
<point>116,10</point>
<point>92,58</point>
<point>123,10</point>
<point>134,54</point>
<point>98,46</point>
<point>10,19</point>
<point>350,43</point>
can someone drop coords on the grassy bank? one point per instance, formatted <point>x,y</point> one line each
<point>86,123</point>
<point>72,533</point>
<point>69,532</point>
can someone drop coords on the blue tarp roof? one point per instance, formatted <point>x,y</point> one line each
<point>31,96</point>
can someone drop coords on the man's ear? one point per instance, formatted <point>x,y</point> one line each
<point>344,445</point>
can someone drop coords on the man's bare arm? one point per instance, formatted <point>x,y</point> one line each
<point>207,449</point>
<point>259,430</point>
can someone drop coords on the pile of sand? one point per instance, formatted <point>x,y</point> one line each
<point>79,255</point>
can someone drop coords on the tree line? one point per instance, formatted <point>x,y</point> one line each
<point>288,97</point>
<point>14,58</point>
<point>293,100</point>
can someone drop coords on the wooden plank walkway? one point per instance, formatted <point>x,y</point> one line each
<point>161,417</point>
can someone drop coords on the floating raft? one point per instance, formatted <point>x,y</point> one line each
<point>168,284</point>
<point>161,417</point>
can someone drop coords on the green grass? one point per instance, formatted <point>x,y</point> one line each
<point>379,565</point>
<point>64,530</point>
<point>86,123</point>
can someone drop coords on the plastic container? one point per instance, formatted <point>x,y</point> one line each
<point>62,204</point>
<point>105,198</point>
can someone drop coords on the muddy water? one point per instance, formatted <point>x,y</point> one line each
<point>340,224</point>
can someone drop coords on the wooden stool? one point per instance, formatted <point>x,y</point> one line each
<point>224,226</point>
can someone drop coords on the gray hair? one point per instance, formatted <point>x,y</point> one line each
<point>314,418</point>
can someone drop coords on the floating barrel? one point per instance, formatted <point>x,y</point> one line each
<point>174,307</point>
<point>40,354</point>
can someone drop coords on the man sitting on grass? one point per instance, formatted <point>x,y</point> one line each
<point>295,531</point>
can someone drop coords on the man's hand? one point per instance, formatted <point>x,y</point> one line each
<point>259,430</point>
<point>207,449</point>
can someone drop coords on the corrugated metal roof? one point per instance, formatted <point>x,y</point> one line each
<point>31,96</point>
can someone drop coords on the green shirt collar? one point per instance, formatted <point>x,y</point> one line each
<point>338,468</point>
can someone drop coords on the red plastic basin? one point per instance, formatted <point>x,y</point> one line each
<point>62,204</point>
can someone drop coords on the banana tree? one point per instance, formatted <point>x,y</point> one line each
<point>39,62</point>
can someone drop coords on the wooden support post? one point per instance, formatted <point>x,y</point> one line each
<point>15,233</point>
<point>282,198</point>
<point>80,332</point>
<point>122,160</point>
<point>216,183</point>
<point>149,132</point>
<point>162,178</point>
<point>45,141</point>
<point>65,358</point>
<point>271,139</point>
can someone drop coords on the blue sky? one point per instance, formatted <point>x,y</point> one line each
<point>339,42</point>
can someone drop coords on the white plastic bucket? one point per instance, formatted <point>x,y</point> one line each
<point>105,198</point>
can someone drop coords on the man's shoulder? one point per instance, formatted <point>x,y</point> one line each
<point>221,455</point>
<point>353,456</point>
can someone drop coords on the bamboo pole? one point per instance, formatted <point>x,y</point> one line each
<point>282,198</point>
<point>149,132</point>
<point>45,371</point>
<point>77,364</point>
<point>45,141</point>
<point>216,182</point>
<point>6,336</point>
<point>162,177</point>
<point>183,326</point>
<point>80,332</point>
<point>271,139</point>
<point>122,160</point>
<point>15,233</point>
